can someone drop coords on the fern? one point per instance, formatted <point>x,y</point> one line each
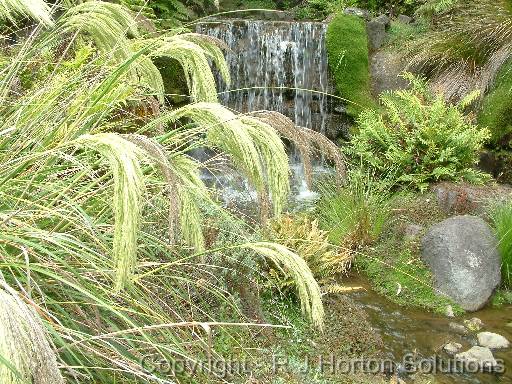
<point>419,139</point>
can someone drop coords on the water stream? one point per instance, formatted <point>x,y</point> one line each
<point>278,66</point>
<point>410,331</point>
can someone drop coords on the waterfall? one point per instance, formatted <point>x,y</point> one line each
<point>278,66</point>
<point>275,66</point>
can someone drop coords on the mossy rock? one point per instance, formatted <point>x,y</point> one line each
<point>394,266</point>
<point>347,49</point>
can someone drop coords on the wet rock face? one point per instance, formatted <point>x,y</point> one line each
<point>465,198</point>
<point>461,253</point>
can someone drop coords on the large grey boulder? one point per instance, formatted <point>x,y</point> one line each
<point>462,254</point>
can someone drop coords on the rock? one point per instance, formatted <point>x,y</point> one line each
<point>449,311</point>
<point>376,29</point>
<point>458,328</point>
<point>383,19</point>
<point>404,19</point>
<point>462,254</point>
<point>341,109</point>
<point>451,200</point>
<point>479,355</point>
<point>462,198</point>
<point>452,348</point>
<point>337,127</point>
<point>492,340</point>
<point>359,12</point>
<point>412,231</point>
<point>474,324</point>
<point>385,70</point>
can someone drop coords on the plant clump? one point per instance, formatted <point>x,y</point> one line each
<point>418,139</point>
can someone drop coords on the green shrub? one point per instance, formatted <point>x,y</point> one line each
<point>418,139</point>
<point>347,49</point>
<point>355,215</point>
<point>502,219</point>
<point>321,9</point>
<point>496,112</point>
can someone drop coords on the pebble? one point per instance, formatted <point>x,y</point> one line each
<point>458,328</point>
<point>479,355</point>
<point>492,340</point>
<point>474,324</point>
<point>452,348</point>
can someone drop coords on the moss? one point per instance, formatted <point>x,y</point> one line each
<point>496,112</point>
<point>501,297</point>
<point>347,48</point>
<point>348,334</point>
<point>394,266</point>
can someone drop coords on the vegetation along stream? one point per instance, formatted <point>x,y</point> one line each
<point>255,191</point>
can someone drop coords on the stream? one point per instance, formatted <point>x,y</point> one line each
<point>409,331</point>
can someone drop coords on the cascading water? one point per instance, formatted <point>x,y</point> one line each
<point>278,66</point>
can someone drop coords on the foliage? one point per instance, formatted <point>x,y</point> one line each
<point>400,33</point>
<point>303,236</point>
<point>168,13</point>
<point>321,9</point>
<point>502,220</point>
<point>347,50</point>
<point>419,139</point>
<point>501,297</point>
<point>394,266</point>
<point>101,214</point>
<point>23,343</point>
<point>354,215</point>
<point>467,46</point>
<point>431,8</point>
<point>496,110</point>
<point>404,279</point>
<point>37,9</point>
